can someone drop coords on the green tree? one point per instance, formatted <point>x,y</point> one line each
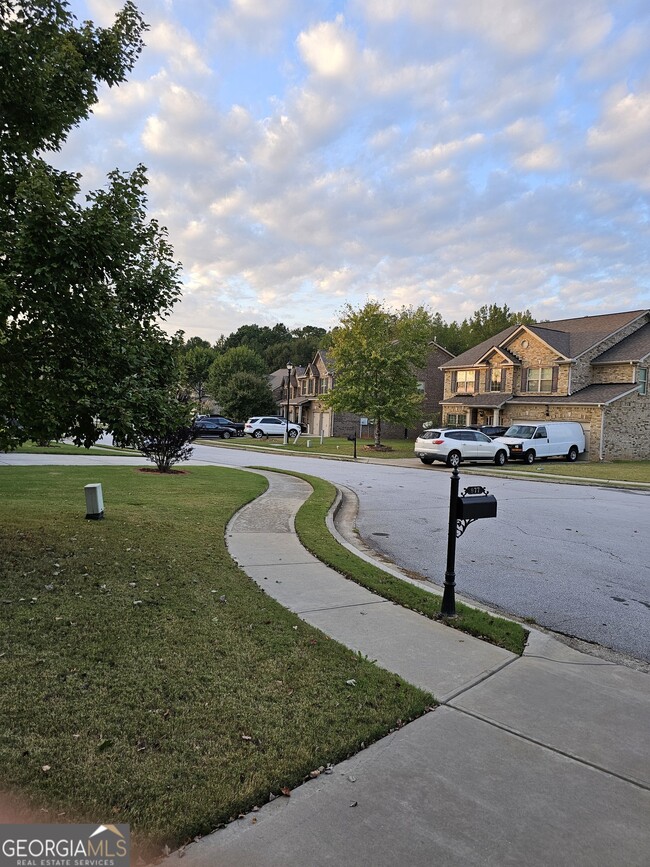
<point>239,359</point>
<point>375,353</point>
<point>82,286</point>
<point>245,395</point>
<point>196,363</point>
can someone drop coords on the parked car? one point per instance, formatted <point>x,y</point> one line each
<point>452,446</point>
<point>238,425</point>
<point>270,426</point>
<point>548,439</point>
<point>490,430</point>
<point>213,427</point>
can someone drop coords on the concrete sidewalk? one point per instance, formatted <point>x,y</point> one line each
<point>539,760</point>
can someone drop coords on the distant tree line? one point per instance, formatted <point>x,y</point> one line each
<point>234,370</point>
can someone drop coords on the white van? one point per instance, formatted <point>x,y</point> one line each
<point>538,439</point>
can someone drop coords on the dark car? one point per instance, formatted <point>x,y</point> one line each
<point>213,427</point>
<point>238,425</point>
<point>491,430</point>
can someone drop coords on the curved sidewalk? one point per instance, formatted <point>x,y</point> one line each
<point>540,760</point>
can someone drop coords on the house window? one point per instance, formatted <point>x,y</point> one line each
<point>495,379</point>
<point>310,387</point>
<point>324,387</point>
<point>419,387</point>
<point>465,381</point>
<point>642,379</point>
<point>539,379</point>
<point>303,387</point>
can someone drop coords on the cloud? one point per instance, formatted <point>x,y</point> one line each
<point>618,141</point>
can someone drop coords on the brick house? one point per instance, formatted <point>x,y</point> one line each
<point>593,370</point>
<point>318,378</point>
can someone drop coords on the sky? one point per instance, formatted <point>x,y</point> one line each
<point>307,154</point>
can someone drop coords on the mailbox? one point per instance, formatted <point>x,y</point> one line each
<point>473,506</point>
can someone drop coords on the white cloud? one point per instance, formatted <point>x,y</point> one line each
<point>618,142</point>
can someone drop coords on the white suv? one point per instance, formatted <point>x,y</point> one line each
<point>269,426</point>
<point>453,446</point>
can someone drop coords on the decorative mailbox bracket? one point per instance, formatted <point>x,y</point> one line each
<point>475,502</point>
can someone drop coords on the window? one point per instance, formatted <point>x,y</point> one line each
<point>324,386</point>
<point>642,379</point>
<point>539,379</point>
<point>454,418</point>
<point>420,387</point>
<point>465,380</point>
<point>496,376</point>
<point>310,387</point>
<point>303,387</point>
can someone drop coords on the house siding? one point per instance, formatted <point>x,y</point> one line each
<point>627,429</point>
<point>614,373</point>
<point>582,374</point>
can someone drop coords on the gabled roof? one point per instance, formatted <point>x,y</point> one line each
<point>568,337</point>
<point>509,356</point>
<point>634,348</point>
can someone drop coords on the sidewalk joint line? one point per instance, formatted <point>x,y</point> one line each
<point>339,607</point>
<point>643,786</point>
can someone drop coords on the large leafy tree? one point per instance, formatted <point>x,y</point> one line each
<point>83,285</point>
<point>375,353</point>
<point>196,361</point>
<point>245,395</point>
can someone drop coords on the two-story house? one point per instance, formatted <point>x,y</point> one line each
<point>593,370</point>
<point>307,385</point>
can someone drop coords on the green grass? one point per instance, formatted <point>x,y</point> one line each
<point>613,471</point>
<point>339,446</point>
<point>56,448</point>
<point>144,678</point>
<point>314,535</point>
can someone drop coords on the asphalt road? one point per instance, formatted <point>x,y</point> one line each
<point>576,558</point>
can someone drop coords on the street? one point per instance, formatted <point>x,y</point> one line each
<point>574,558</point>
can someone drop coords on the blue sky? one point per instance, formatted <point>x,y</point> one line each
<point>304,154</point>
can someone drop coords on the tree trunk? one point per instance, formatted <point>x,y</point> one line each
<point>377,431</point>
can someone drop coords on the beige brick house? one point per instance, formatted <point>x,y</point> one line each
<point>593,370</point>
<point>308,384</point>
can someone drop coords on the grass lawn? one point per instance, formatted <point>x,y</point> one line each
<point>614,471</point>
<point>56,448</point>
<point>310,525</point>
<point>144,678</point>
<point>331,446</point>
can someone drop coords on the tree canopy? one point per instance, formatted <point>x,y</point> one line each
<point>82,285</point>
<point>375,353</point>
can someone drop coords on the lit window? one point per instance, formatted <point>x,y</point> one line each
<point>465,380</point>
<point>539,379</point>
<point>495,379</point>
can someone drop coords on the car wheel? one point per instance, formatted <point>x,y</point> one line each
<point>529,457</point>
<point>258,434</point>
<point>572,454</point>
<point>226,434</point>
<point>427,460</point>
<point>500,458</point>
<point>240,433</point>
<point>453,459</point>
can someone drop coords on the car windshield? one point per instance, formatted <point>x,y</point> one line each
<point>525,431</point>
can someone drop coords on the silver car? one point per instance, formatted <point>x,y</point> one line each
<point>454,445</point>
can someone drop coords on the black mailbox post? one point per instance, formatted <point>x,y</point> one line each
<point>474,503</point>
<point>353,439</point>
